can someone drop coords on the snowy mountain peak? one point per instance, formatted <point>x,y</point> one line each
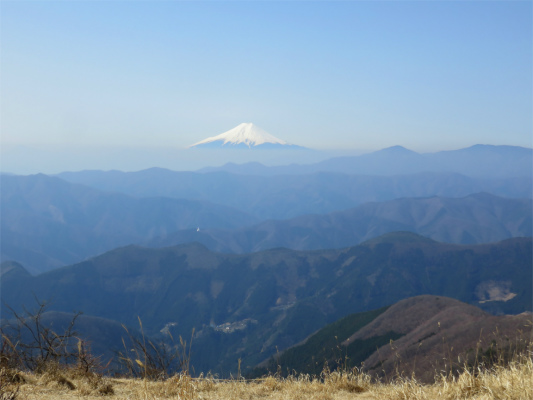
<point>246,134</point>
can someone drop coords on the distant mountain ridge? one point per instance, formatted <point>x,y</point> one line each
<point>486,161</point>
<point>476,218</point>
<point>47,222</point>
<point>288,196</point>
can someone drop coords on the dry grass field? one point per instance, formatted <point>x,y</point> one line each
<point>50,368</point>
<point>514,381</point>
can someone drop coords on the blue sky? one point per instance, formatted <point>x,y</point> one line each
<point>356,75</point>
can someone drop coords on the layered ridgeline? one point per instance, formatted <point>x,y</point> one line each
<point>47,222</point>
<point>477,218</point>
<point>247,306</point>
<point>288,196</point>
<point>477,161</point>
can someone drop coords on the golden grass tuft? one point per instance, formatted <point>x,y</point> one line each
<point>513,381</point>
<point>353,381</point>
<point>505,381</point>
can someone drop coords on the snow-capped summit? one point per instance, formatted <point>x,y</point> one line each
<point>243,135</point>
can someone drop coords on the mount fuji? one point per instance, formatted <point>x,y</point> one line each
<point>245,135</point>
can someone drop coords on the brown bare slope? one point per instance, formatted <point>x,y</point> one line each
<point>438,330</point>
<point>423,335</point>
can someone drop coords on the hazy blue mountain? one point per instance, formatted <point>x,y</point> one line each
<point>287,196</point>
<point>276,298</point>
<point>47,222</point>
<point>13,270</point>
<point>480,161</point>
<point>477,218</point>
<point>476,161</point>
<point>488,161</point>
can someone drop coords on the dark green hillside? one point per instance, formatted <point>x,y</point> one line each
<point>276,298</point>
<point>324,347</point>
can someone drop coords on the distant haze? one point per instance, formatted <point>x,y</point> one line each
<point>129,85</point>
<point>56,159</point>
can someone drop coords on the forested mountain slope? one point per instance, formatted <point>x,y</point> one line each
<point>477,218</point>
<point>47,222</point>
<point>275,298</point>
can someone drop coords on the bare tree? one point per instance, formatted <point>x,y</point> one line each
<point>30,344</point>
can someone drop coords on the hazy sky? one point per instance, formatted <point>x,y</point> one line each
<point>427,75</point>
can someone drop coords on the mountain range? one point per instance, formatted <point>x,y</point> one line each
<point>48,222</point>
<point>276,298</point>
<point>288,196</point>
<point>479,161</point>
<point>476,218</point>
<point>277,261</point>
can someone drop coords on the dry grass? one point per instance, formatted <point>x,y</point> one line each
<point>511,382</point>
<point>501,373</point>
